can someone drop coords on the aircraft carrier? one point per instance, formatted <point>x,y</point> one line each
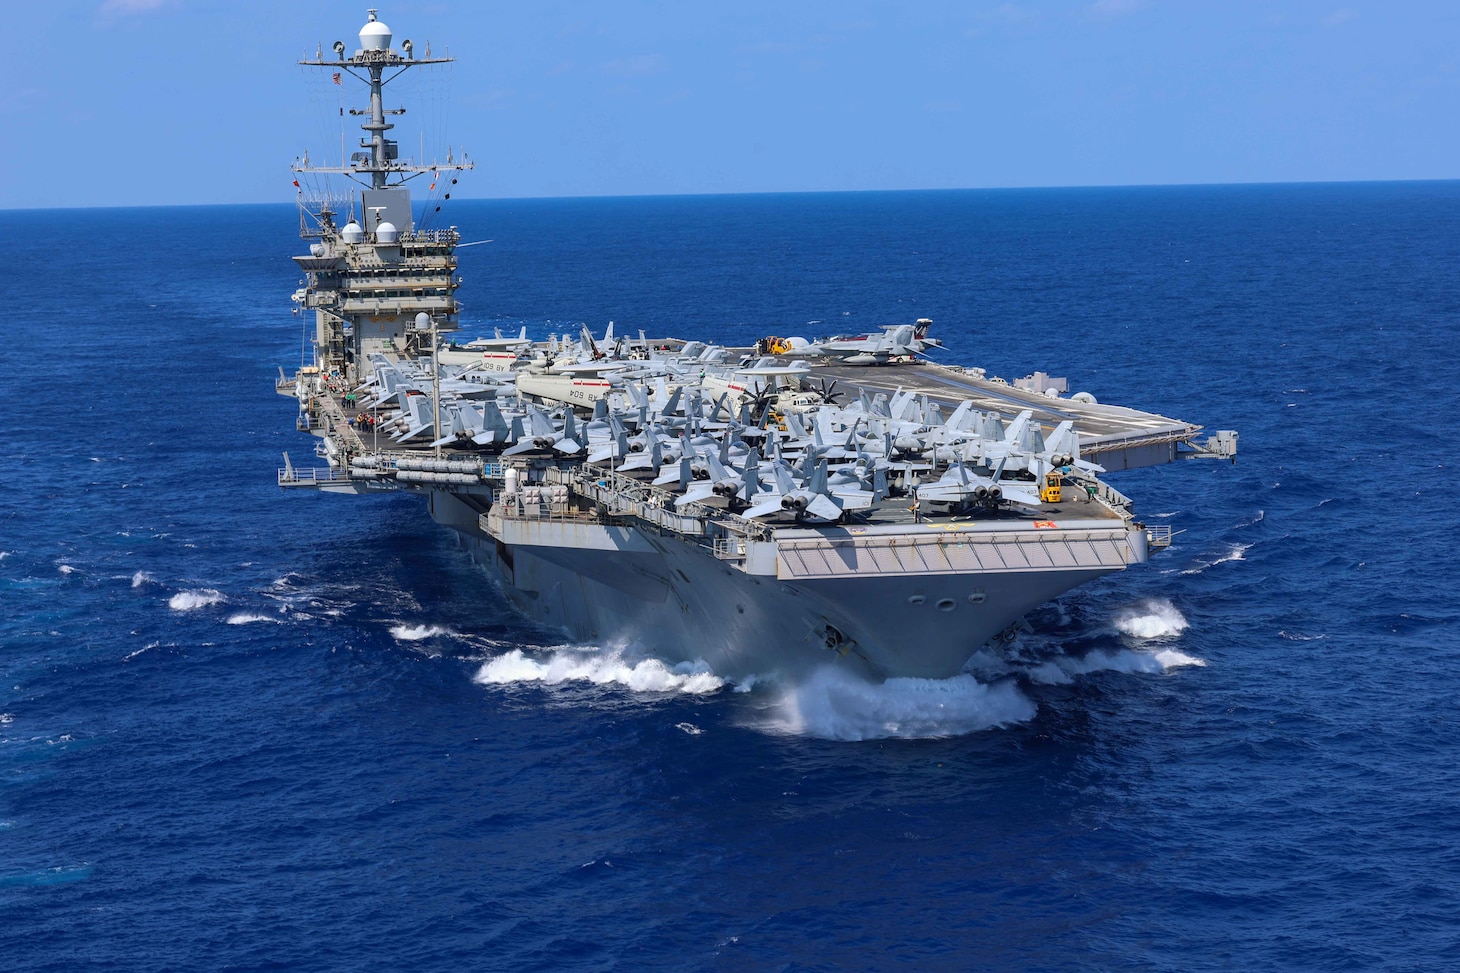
<point>805,502</point>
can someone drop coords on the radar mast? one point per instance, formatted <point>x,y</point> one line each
<point>370,64</point>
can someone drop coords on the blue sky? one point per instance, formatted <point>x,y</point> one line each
<point>140,102</point>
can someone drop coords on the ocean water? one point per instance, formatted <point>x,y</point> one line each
<point>248,730</point>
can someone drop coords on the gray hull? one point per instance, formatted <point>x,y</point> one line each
<point>676,602</point>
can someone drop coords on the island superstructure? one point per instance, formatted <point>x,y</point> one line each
<point>369,276</point>
<point>841,501</point>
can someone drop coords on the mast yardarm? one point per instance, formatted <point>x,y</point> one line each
<point>376,63</point>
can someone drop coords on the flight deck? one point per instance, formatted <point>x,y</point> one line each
<point>1116,437</point>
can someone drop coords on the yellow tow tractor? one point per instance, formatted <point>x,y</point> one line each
<point>773,345</point>
<point>1053,487</point>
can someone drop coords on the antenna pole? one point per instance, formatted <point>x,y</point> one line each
<point>372,60</point>
<point>377,127</point>
<point>435,389</point>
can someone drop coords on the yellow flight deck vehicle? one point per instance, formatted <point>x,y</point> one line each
<point>774,346</point>
<point>1053,487</point>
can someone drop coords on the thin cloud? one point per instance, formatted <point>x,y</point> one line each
<point>769,47</point>
<point>637,67</point>
<point>1111,9</point>
<point>1004,17</point>
<point>1005,13</point>
<point>129,8</point>
<point>1339,18</point>
<point>22,100</point>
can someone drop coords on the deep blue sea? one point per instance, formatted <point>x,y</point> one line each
<point>243,729</point>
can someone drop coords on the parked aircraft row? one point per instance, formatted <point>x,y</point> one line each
<point>716,431</point>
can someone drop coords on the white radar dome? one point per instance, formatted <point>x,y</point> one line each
<point>351,233</point>
<point>386,233</point>
<point>375,36</point>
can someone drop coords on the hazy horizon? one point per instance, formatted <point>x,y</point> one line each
<point>291,204</point>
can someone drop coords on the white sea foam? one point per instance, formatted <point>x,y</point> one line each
<point>1155,618</point>
<point>6,718</point>
<point>601,667</point>
<point>185,601</point>
<point>132,655</point>
<point>1234,552</point>
<point>1175,659</point>
<point>1064,669</point>
<point>415,633</point>
<point>834,704</point>
<point>65,569</point>
<point>245,618</point>
<point>141,578</point>
<point>1300,636</point>
<point>689,728</point>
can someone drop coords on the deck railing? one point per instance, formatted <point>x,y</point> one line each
<point>311,476</point>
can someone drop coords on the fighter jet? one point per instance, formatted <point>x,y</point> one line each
<point>894,341</point>
<point>812,502</point>
<point>962,488</point>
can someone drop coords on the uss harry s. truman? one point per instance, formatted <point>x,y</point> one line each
<point>772,509</point>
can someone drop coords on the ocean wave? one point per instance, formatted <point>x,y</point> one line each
<point>194,599</point>
<point>1176,659</point>
<point>47,876</point>
<point>1154,618</point>
<point>141,578</point>
<point>415,633</point>
<point>601,668</point>
<point>146,648</point>
<point>1234,552</point>
<point>1062,670</point>
<point>833,704</point>
<point>245,618</point>
<point>65,569</point>
<point>1300,636</point>
<point>689,728</point>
